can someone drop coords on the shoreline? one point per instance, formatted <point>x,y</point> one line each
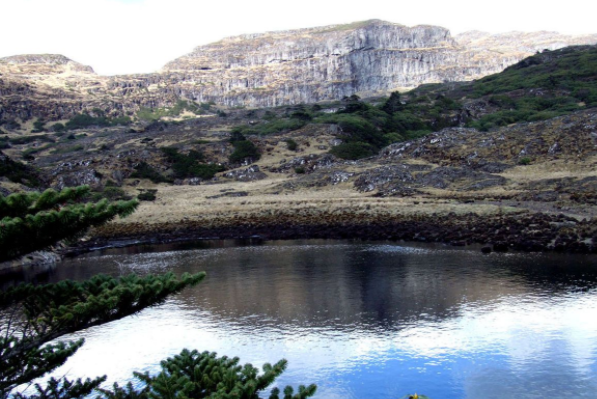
<point>531,232</point>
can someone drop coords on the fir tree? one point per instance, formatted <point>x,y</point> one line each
<point>393,104</point>
<point>34,221</point>
<point>32,316</point>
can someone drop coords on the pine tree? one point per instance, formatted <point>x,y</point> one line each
<point>32,316</point>
<point>34,221</point>
<point>393,104</point>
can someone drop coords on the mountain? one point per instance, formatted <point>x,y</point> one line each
<point>367,58</point>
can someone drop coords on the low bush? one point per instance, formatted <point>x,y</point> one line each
<point>353,151</point>
<point>145,171</point>
<point>147,195</point>
<point>291,145</point>
<point>244,150</point>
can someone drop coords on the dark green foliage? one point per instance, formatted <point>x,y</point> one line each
<point>30,139</point>
<point>203,375</point>
<point>190,165</point>
<point>145,171</point>
<point>114,194</point>
<point>301,115</point>
<point>361,137</point>
<point>85,120</point>
<point>154,114</point>
<point>271,127</point>
<point>10,124</point>
<point>244,150</point>
<point>299,170</point>
<point>353,150</point>
<point>39,126</point>
<point>205,171</point>
<point>63,389</point>
<point>236,136</point>
<point>147,195</point>
<point>572,69</point>
<point>34,221</point>
<point>18,172</point>
<point>353,104</point>
<point>291,145</point>
<point>66,150</point>
<point>540,87</point>
<point>58,127</point>
<point>393,104</point>
<point>34,150</point>
<point>365,129</point>
<point>34,315</point>
<point>524,161</point>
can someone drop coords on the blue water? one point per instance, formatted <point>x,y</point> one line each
<point>361,320</point>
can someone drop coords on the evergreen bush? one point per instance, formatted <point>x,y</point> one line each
<point>33,318</point>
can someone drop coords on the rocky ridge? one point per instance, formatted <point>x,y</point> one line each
<point>271,69</point>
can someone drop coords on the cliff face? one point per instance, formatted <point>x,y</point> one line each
<point>271,69</point>
<point>366,58</point>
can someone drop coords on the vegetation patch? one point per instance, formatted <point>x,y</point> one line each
<point>154,114</point>
<point>147,195</point>
<point>17,172</point>
<point>84,120</point>
<point>143,170</point>
<point>190,165</point>
<point>244,151</point>
<point>66,150</point>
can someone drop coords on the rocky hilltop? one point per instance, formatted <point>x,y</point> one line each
<point>271,69</point>
<point>41,64</point>
<point>366,58</point>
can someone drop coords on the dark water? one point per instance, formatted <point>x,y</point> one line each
<point>362,320</point>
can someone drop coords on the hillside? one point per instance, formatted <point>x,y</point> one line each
<point>519,143</point>
<point>368,58</point>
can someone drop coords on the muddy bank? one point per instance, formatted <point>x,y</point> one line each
<point>522,232</point>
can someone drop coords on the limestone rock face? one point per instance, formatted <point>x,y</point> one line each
<point>366,58</point>
<point>271,69</point>
<point>41,64</point>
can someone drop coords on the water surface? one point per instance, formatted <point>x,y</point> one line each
<point>361,320</point>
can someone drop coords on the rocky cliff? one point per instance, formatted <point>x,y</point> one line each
<point>367,58</point>
<point>271,69</point>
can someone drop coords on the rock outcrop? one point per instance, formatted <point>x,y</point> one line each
<point>367,58</point>
<point>42,64</point>
<point>270,69</point>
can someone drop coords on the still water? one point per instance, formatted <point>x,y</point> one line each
<point>361,320</point>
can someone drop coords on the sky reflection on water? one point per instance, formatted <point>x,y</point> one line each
<point>365,320</point>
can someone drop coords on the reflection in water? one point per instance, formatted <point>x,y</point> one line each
<point>363,320</point>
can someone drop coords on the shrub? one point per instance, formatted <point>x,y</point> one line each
<point>38,126</point>
<point>291,145</point>
<point>524,161</point>
<point>18,172</point>
<point>145,171</point>
<point>85,120</point>
<point>147,195</point>
<point>65,150</point>
<point>272,127</point>
<point>244,150</point>
<point>353,151</point>
<point>154,114</point>
<point>58,127</point>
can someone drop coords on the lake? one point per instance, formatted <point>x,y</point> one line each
<point>359,319</point>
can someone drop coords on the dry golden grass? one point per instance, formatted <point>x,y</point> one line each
<point>554,169</point>
<point>186,203</point>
